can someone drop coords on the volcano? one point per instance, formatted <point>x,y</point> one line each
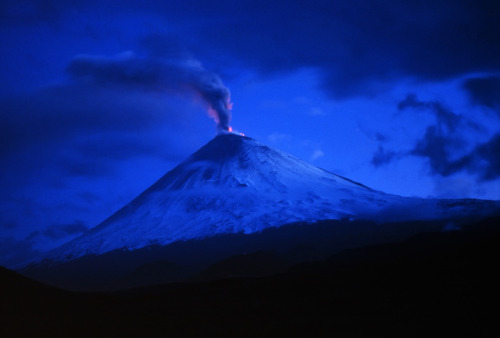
<point>235,188</point>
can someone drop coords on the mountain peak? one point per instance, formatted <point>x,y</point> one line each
<point>235,184</point>
<point>222,147</point>
<point>233,160</point>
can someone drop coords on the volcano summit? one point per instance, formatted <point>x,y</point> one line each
<point>235,185</point>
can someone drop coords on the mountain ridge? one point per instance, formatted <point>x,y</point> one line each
<point>211,181</point>
<point>235,184</point>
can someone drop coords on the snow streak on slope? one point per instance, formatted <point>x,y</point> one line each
<point>235,184</point>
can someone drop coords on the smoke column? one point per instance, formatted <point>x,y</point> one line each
<point>213,91</point>
<point>157,74</point>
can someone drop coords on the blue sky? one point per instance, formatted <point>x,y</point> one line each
<point>100,98</point>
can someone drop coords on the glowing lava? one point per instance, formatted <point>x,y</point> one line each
<point>230,130</point>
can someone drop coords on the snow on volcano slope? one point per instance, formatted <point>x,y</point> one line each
<point>235,184</point>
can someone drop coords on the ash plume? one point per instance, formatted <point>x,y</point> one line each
<point>157,74</point>
<point>213,91</point>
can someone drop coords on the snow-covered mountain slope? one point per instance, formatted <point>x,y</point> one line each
<point>235,184</point>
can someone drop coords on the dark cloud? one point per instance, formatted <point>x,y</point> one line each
<point>487,158</point>
<point>59,231</point>
<point>437,146</point>
<point>440,140</point>
<point>444,141</point>
<point>355,45</point>
<point>483,161</point>
<point>127,69</point>
<point>484,91</point>
<point>383,156</point>
<point>444,116</point>
<point>360,43</point>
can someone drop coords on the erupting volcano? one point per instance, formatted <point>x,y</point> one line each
<point>235,185</point>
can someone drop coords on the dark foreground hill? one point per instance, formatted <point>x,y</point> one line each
<point>431,285</point>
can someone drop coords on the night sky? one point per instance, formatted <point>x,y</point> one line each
<point>100,98</point>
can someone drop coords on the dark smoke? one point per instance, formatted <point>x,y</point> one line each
<point>213,91</point>
<point>158,75</point>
